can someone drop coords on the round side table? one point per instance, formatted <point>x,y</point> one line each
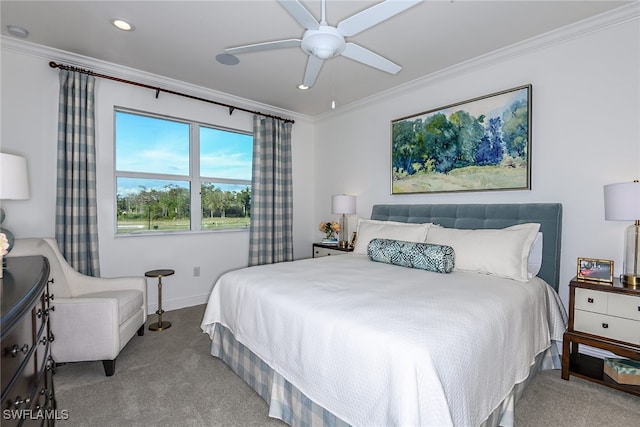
<point>159,325</point>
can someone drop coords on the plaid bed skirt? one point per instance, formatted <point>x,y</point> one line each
<point>290,405</point>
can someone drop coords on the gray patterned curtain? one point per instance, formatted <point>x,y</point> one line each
<point>271,238</point>
<point>76,206</point>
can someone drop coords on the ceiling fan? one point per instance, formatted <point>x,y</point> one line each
<point>322,41</point>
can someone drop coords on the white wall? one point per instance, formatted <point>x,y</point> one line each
<point>29,128</point>
<point>585,134</point>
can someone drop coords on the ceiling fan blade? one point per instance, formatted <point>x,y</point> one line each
<point>278,44</point>
<point>314,64</point>
<point>373,15</point>
<point>360,54</point>
<point>300,14</point>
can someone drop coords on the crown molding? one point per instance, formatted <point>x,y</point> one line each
<point>103,67</point>
<point>582,28</point>
<point>562,35</point>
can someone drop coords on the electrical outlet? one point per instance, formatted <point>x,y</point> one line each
<point>196,271</point>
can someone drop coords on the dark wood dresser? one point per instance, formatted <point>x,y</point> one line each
<point>28,397</point>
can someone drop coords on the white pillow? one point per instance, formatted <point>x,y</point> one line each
<point>369,229</point>
<point>503,252</point>
<point>534,262</point>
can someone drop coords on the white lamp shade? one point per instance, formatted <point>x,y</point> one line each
<point>622,201</point>
<point>343,204</point>
<point>14,178</point>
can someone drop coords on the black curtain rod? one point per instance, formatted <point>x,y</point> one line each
<point>158,90</point>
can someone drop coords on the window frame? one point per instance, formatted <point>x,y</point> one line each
<point>194,179</point>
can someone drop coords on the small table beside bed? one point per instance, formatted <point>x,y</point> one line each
<point>405,341</point>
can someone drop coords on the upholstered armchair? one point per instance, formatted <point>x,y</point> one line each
<point>93,318</point>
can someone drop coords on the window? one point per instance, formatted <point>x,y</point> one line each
<point>179,175</point>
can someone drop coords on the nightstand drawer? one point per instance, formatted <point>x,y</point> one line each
<point>611,327</point>
<point>624,306</point>
<point>589,300</point>
<point>318,252</point>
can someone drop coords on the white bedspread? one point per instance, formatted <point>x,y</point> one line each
<point>382,345</point>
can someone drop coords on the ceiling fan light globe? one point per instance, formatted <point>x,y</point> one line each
<point>323,52</point>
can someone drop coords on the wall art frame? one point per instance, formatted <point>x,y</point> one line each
<point>595,270</point>
<point>481,144</point>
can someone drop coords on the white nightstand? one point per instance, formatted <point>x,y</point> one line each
<point>604,316</point>
<point>320,249</point>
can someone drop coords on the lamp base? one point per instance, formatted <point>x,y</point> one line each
<point>630,281</point>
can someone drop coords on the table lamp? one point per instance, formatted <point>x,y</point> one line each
<point>14,185</point>
<point>344,205</point>
<point>622,203</point>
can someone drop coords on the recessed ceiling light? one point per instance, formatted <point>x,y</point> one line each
<point>17,31</point>
<point>303,87</point>
<point>121,24</point>
<point>227,59</point>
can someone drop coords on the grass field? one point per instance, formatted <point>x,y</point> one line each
<point>472,178</point>
<point>135,226</point>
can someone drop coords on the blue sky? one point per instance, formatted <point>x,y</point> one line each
<point>161,146</point>
<point>493,106</point>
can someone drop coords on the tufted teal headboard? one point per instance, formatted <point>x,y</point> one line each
<point>548,215</point>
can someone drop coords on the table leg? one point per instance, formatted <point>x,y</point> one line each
<point>565,357</point>
<point>159,325</point>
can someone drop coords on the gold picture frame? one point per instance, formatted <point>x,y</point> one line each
<point>595,270</point>
<point>352,241</point>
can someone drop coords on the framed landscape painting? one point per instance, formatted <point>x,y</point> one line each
<point>482,144</point>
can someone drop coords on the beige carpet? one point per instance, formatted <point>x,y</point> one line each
<point>169,379</point>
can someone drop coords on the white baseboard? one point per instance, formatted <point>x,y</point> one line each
<point>175,304</point>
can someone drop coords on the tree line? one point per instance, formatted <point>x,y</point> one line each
<point>173,202</point>
<point>439,143</point>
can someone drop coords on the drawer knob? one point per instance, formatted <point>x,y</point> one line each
<point>605,325</point>
<point>51,365</point>
<point>590,300</point>
<point>48,339</point>
<point>15,350</point>
<point>20,401</point>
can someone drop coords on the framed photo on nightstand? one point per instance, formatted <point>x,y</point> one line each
<point>352,241</point>
<point>595,270</point>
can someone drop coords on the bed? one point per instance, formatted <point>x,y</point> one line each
<point>344,340</point>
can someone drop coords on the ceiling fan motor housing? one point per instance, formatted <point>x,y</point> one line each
<point>325,42</point>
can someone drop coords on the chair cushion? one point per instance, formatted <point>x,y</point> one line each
<point>129,301</point>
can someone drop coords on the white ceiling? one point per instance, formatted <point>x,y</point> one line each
<point>180,39</point>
